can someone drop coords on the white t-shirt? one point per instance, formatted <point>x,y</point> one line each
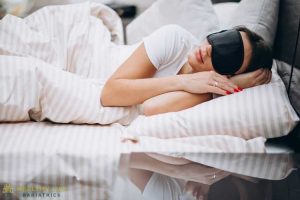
<point>168,47</point>
<point>163,188</point>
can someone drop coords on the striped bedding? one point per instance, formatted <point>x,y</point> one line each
<point>232,154</point>
<point>84,158</point>
<point>53,55</point>
<point>37,55</point>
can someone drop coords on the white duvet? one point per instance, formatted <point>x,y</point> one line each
<point>54,63</point>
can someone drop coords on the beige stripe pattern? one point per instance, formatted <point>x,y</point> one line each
<point>82,158</point>
<point>57,67</point>
<point>261,111</point>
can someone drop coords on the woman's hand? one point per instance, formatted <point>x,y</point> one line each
<point>251,79</point>
<point>200,173</point>
<point>207,82</point>
<point>198,190</point>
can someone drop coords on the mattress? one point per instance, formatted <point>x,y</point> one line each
<point>84,159</point>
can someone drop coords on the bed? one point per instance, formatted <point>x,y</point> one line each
<point>81,161</point>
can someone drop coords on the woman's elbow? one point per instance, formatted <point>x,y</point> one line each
<point>112,95</point>
<point>105,97</point>
<point>104,100</point>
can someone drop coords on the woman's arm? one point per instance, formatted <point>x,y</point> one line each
<point>180,100</point>
<point>172,102</point>
<point>189,171</point>
<point>132,84</point>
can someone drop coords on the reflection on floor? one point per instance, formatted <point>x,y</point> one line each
<point>227,189</point>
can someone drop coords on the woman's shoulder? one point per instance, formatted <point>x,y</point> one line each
<point>176,31</point>
<point>168,44</point>
<point>172,36</point>
<point>172,28</point>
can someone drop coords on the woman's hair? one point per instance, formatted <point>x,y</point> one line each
<point>261,52</point>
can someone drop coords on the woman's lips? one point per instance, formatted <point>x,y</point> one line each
<point>199,56</point>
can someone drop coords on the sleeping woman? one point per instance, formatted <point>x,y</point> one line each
<point>170,71</point>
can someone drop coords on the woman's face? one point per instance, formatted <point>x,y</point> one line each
<point>200,57</point>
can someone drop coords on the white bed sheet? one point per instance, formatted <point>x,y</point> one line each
<point>245,157</point>
<point>85,158</point>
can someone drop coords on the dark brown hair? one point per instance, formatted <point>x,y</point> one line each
<point>261,52</point>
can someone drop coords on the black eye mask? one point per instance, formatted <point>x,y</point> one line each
<point>227,51</point>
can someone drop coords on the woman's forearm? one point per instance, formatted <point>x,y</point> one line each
<point>169,159</point>
<point>127,92</point>
<point>133,82</point>
<point>172,102</point>
<point>189,171</point>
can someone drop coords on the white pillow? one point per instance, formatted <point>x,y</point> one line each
<point>264,111</point>
<point>224,13</point>
<point>196,16</point>
<point>259,15</point>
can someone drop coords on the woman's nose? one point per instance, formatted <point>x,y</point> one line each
<point>203,51</point>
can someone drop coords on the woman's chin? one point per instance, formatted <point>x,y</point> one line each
<point>195,65</point>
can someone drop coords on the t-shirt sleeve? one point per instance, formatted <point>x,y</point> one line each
<point>167,43</point>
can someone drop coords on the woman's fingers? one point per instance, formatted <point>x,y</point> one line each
<point>198,190</point>
<point>225,88</point>
<point>257,72</point>
<point>208,82</point>
<point>223,79</point>
<point>199,194</point>
<point>225,84</point>
<point>221,175</point>
<point>216,90</point>
<point>270,76</point>
<point>263,77</point>
<point>216,176</point>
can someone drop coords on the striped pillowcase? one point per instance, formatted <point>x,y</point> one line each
<point>263,110</point>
